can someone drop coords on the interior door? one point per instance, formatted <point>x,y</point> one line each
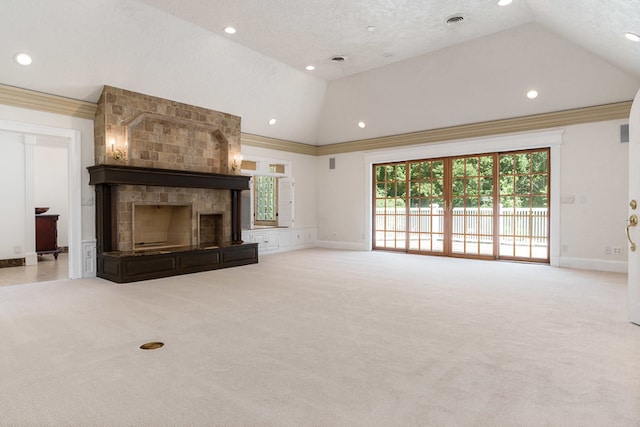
<point>634,194</point>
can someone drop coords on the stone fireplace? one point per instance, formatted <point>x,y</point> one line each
<point>167,182</point>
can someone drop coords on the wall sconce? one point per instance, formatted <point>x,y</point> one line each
<point>237,162</point>
<point>117,153</point>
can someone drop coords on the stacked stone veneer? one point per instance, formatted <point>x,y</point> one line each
<point>158,133</point>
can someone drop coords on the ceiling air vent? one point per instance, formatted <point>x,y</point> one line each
<point>455,19</point>
<point>338,58</point>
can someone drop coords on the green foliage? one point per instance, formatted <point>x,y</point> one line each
<point>523,181</point>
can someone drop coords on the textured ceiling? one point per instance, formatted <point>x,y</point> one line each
<point>414,72</point>
<point>303,32</point>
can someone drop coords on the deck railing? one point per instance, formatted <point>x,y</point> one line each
<point>525,225</point>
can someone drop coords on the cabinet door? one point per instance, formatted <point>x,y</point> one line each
<point>46,233</point>
<point>285,239</point>
<point>271,240</point>
<point>259,238</point>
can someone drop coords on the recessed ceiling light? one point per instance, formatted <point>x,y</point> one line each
<point>23,58</point>
<point>272,122</point>
<point>338,58</point>
<point>229,30</point>
<point>310,68</point>
<point>504,2</point>
<point>632,36</point>
<point>362,125</point>
<point>371,28</point>
<point>532,94</point>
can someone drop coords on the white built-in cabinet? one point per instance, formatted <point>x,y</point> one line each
<point>285,237</point>
<point>281,239</point>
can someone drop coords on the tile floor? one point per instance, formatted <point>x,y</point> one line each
<point>48,268</point>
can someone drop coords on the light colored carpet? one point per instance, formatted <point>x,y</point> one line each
<point>325,338</point>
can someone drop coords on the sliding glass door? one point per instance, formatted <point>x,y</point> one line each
<point>426,213</point>
<point>492,205</point>
<point>390,206</point>
<point>472,201</point>
<point>524,205</point>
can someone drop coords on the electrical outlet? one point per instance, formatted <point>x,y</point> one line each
<point>565,248</point>
<point>607,250</point>
<point>617,251</point>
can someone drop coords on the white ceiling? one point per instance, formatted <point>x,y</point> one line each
<point>414,72</point>
<point>303,32</point>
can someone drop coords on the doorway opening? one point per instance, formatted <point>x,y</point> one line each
<point>70,139</point>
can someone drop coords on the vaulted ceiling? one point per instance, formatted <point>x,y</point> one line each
<point>405,68</point>
<point>374,33</point>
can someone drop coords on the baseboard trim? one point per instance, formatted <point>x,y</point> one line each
<point>347,246</point>
<point>12,262</point>
<point>594,264</point>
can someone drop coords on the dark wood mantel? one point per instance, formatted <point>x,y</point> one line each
<point>115,175</point>
<point>127,267</point>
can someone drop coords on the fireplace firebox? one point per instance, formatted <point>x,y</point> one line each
<point>161,227</point>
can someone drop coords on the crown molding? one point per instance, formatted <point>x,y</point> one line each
<point>278,144</point>
<point>619,110</point>
<point>32,100</point>
<point>25,98</point>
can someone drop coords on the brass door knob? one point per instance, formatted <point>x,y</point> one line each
<point>633,221</point>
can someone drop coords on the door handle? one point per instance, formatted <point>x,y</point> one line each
<point>633,221</point>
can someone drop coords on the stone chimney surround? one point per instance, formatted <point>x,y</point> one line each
<point>153,151</point>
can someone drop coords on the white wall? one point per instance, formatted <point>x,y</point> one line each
<point>594,195</point>
<point>593,169</point>
<point>51,183</point>
<point>303,172</point>
<point>12,195</point>
<point>481,80</point>
<point>342,201</point>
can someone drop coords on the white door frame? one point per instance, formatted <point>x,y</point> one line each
<point>74,143</point>
<point>551,138</point>
<point>633,277</point>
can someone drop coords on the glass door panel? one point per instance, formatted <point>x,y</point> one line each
<point>524,205</point>
<point>390,229</point>
<point>472,205</point>
<point>426,206</point>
